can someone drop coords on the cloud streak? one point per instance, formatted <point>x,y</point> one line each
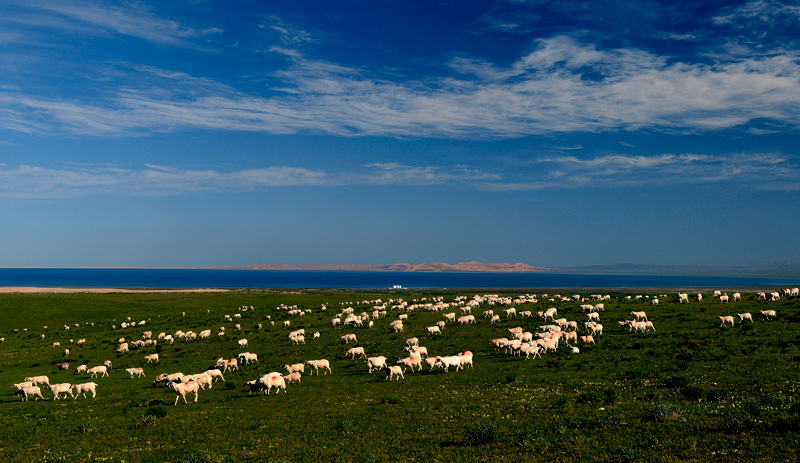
<point>767,171</point>
<point>33,182</point>
<point>562,86</point>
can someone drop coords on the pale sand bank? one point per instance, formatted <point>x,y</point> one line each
<point>36,289</point>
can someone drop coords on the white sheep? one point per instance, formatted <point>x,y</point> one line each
<point>745,316</point>
<point>136,371</point>
<point>242,343</point>
<point>57,389</point>
<point>151,358</point>
<point>37,380</point>
<point>297,367</point>
<point>84,388</point>
<point>321,364</point>
<point>392,371</point>
<point>433,330</point>
<point>725,319</point>
<point>376,363</point>
<point>355,351</point>
<point>214,374</point>
<point>271,380</point>
<point>451,361</point>
<point>181,389</point>
<point>30,391</point>
<point>22,385</point>
<point>349,337</point>
<point>768,314</point>
<point>98,370</point>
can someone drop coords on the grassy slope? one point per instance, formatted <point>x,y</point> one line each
<point>689,392</point>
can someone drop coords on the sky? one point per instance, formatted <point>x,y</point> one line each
<point>556,134</point>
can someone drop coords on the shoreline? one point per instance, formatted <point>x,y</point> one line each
<point>68,290</point>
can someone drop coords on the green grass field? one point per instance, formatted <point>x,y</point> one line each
<point>691,391</point>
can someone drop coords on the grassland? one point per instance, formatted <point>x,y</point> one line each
<point>691,391</point>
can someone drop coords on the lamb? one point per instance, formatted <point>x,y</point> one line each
<point>151,358</point>
<point>587,339</point>
<point>639,315</point>
<point>181,389</point>
<point>321,364</point>
<point>84,388</point>
<point>57,389</point>
<point>22,385</point>
<point>412,342</point>
<point>80,369</point>
<point>376,363</point>
<point>768,314</point>
<point>393,371</point>
<point>30,391</point>
<point>725,319</point>
<point>136,371</point>
<point>293,377</point>
<point>271,380</point>
<point>465,358</point>
<point>122,348</point>
<point>232,364</point>
<point>349,337</point>
<point>242,343</point>
<point>355,351</point>
<point>654,301</point>
<point>745,316</point>
<point>736,297</point>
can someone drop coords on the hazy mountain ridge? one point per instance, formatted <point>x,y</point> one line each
<point>401,267</point>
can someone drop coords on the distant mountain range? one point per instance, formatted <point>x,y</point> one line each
<point>766,271</point>
<point>424,267</point>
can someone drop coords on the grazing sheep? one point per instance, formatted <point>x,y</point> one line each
<point>271,380</point>
<point>349,337</point>
<point>451,361</point>
<point>20,386</point>
<point>355,351</point>
<point>214,374</point>
<point>57,389</point>
<point>151,358</point>
<point>465,358</point>
<point>297,367</point>
<point>80,369</point>
<point>98,370</point>
<point>376,363</point>
<point>768,314</point>
<point>181,389</point>
<point>412,342</point>
<point>745,316</point>
<point>723,298</point>
<point>30,391</point>
<point>393,371</point>
<point>136,371</point>
<point>63,366</point>
<point>725,319</point>
<point>232,364</point>
<point>412,362</point>
<point>84,388</point>
<point>242,343</point>
<point>433,330</point>
<point>107,364</point>
<point>587,339</point>
<point>123,348</point>
<point>321,364</point>
<point>639,315</point>
<point>683,297</point>
<point>37,380</point>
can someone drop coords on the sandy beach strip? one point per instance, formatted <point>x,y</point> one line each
<point>37,289</point>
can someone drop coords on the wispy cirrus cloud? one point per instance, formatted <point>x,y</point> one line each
<point>101,18</point>
<point>28,182</point>
<point>758,170</point>
<point>562,86</point>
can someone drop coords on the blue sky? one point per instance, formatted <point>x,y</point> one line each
<point>556,134</point>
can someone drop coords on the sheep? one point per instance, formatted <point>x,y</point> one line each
<point>495,319</point>
<point>512,312</point>
<point>683,297</point>
<point>37,380</point>
<point>465,358</point>
<point>466,319</point>
<point>63,366</point>
<point>551,313</point>
<point>355,351</point>
<point>736,297</point>
<point>451,361</point>
<point>151,358</point>
<point>593,316</point>
<point>232,364</point>
<point>122,348</point>
<point>723,298</point>
<point>420,350</point>
<point>203,379</point>
<point>654,301</point>
<point>450,316</point>
<point>57,389</point>
<point>271,380</point>
<point>136,371</point>
<point>242,343</point>
<point>397,326</point>
<point>248,357</point>
<point>107,364</point>
<point>80,369</point>
<point>181,389</point>
<point>84,388</point>
<point>297,367</point>
<point>98,370</point>
<point>392,371</point>
<point>376,363</point>
<point>22,385</point>
<point>587,339</point>
<point>293,377</point>
<point>639,315</point>
<point>529,349</point>
<point>349,337</point>
<point>433,330</point>
<point>214,374</point>
<point>321,364</point>
<point>30,391</point>
<point>725,319</point>
<point>411,362</point>
<point>431,361</point>
<point>412,342</point>
<point>745,316</point>
<point>768,314</point>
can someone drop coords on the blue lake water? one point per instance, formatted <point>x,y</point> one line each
<point>240,279</point>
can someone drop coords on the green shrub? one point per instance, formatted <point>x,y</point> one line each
<point>157,411</point>
<point>480,433</point>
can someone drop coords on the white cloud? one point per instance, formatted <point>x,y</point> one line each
<point>759,170</point>
<point>78,181</point>
<point>562,86</point>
